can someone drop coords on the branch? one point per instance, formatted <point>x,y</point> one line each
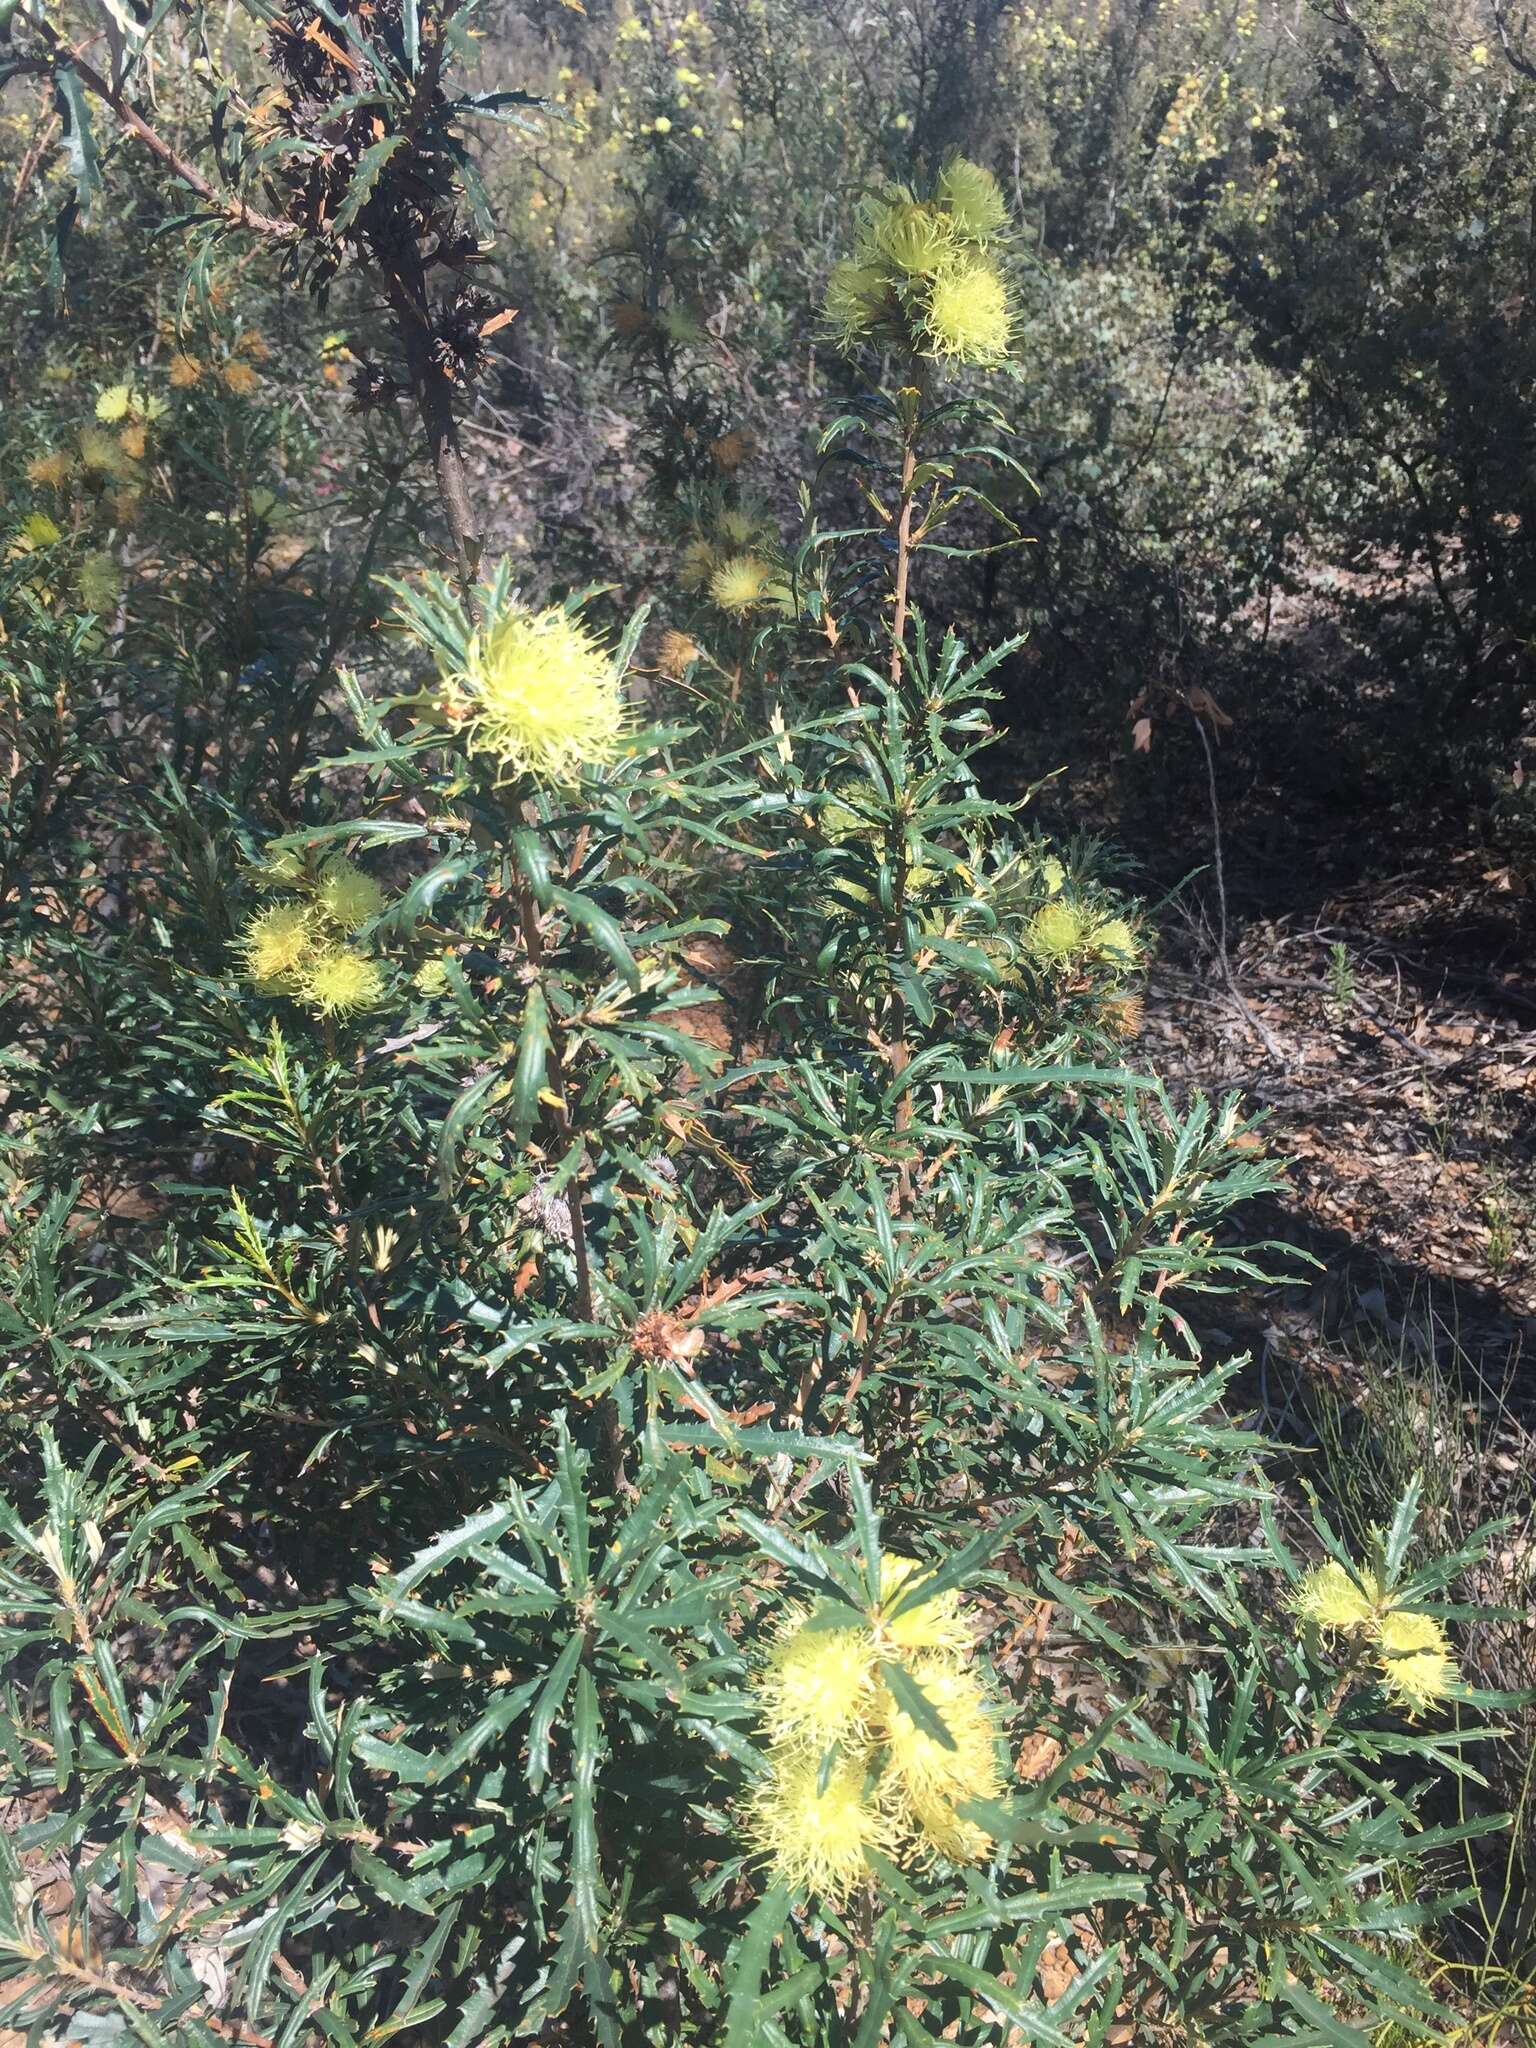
<point>236,212</point>
<point>1515,58</point>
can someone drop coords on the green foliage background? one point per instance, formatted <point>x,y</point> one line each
<point>418,1422</point>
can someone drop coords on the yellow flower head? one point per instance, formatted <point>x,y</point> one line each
<point>101,454</point>
<point>335,981</point>
<point>346,896</point>
<point>1056,931</point>
<point>541,695</point>
<point>1125,1016</point>
<point>1417,1666</point>
<point>275,945</point>
<point>677,650</point>
<point>738,526</point>
<point>1328,1598</point>
<point>740,582</point>
<point>858,298</point>
<point>113,403</point>
<point>185,372</point>
<point>818,1686</point>
<point>968,316</point>
<point>97,583</point>
<point>949,1834</point>
<point>914,238</point>
<point>241,379</point>
<point>1114,940</point>
<point>973,198</point>
<point>819,1839</point>
<point>937,1623</point>
<point>52,470</point>
<point>697,564</point>
<point>927,1772</point>
<point>39,531</point>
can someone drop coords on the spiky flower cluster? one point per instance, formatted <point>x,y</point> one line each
<point>856,1767</point>
<point>924,277</point>
<point>1062,931</point>
<point>304,945</point>
<point>730,558</point>
<point>1412,1651</point>
<point>539,694</point>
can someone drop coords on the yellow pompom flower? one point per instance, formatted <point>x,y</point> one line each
<point>973,197</point>
<point>1329,1598</point>
<point>539,694</point>
<point>113,403</point>
<point>968,316</point>
<point>275,945</point>
<point>740,582</point>
<point>914,238</point>
<point>1417,1666</point>
<point>335,981</point>
<point>935,1623</point>
<point>346,896</point>
<point>818,1685</point>
<point>817,1838</point>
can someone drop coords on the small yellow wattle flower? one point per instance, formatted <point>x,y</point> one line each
<point>818,1685</point>
<point>1329,1598</point>
<point>539,694</point>
<point>1417,1665</point>
<point>968,317</point>
<point>336,981</point>
<point>275,944</point>
<point>113,403</point>
<point>816,1838</point>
